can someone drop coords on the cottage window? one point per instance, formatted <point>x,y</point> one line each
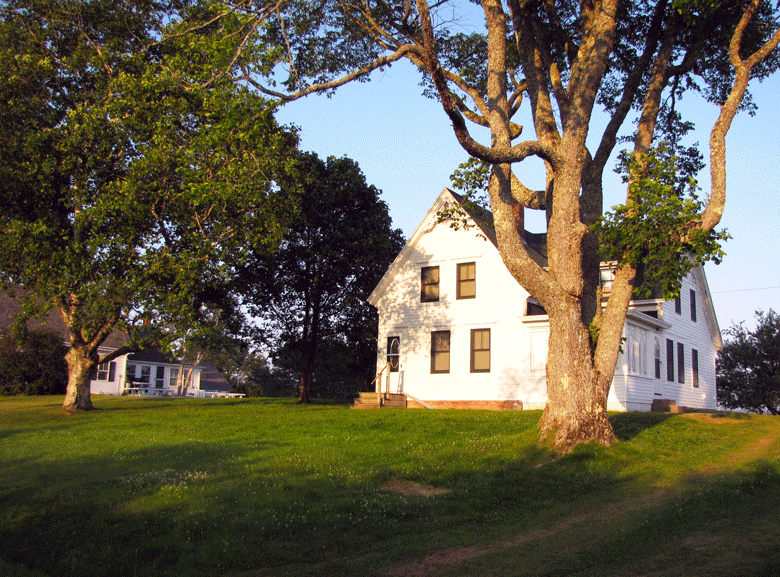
<point>480,350</point>
<point>393,353</point>
<point>695,367</point>
<point>670,360</point>
<point>131,373</point>
<point>467,283</point>
<point>440,352</point>
<point>146,373</point>
<point>429,284</point>
<point>680,363</point>
<point>693,305</point>
<point>106,372</point>
<point>173,377</point>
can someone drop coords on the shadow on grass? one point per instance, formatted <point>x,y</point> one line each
<point>629,425</point>
<point>297,494</point>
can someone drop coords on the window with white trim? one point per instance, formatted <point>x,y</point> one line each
<point>440,352</point>
<point>480,351</point>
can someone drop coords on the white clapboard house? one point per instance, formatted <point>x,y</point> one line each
<point>457,330</point>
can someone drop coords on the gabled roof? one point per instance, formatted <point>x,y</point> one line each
<point>480,217</point>
<point>11,308</point>
<point>536,244</point>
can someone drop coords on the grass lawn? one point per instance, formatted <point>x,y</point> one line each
<point>260,487</point>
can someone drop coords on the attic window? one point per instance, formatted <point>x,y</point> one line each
<point>467,283</point>
<point>534,308</point>
<point>429,280</point>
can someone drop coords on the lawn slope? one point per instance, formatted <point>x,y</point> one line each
<point>258,487</point>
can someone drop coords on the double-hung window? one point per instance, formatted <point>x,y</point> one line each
<point>429,284</point>
<point>670,360</point>
<point>440,352</point>
<point>693,305</point>
<point>173,377</point>
<point>695,367</point>
<point>467,282</point>
<point>680,363</point>
<point>480,350</point>
<point>106,372</point>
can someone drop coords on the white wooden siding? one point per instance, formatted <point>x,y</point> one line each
<point>518,343</point>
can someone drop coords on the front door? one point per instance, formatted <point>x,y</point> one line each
<point>159,381</point>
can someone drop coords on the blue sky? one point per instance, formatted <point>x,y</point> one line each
<point>405,146</point>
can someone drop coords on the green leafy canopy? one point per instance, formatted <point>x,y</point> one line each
<point>653,230</point>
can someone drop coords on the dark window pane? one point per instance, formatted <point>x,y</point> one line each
<point>680,363</point>
<point>429,284</point>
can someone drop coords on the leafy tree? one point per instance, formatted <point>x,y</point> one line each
<point>560,61</point>
<point>132,166</point>
<point>33,364</point>
<point>259,379</point>
<point>748,375</point>
<point>314,288</point>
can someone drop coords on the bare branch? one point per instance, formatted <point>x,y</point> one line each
<point>712,214</point>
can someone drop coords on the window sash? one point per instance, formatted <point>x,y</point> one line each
<point>695,367</point>
<point>680,363</point>
<point>480,350</point>
<point>440,352</point>
<point>173,378</point>
<point>106,372</point>
<point>467,283</point>
<point>429,284</point>
<point>670,360</point>
<point>693,305</point>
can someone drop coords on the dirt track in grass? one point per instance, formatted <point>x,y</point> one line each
<point>437,562</point>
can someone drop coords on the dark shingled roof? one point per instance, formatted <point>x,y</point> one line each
<point>11,308</point>
<point>536,243</point>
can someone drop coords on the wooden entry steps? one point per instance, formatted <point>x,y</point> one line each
<point>385,401</point>
<point>666,406</point>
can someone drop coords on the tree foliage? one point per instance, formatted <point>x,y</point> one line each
<point>132,165</point>
<point>313,290</point>
<point>33,364</point>
<point>748,375</point>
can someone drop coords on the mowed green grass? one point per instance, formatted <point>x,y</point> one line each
<point>211,487</point>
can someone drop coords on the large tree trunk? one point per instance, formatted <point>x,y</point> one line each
<point>81,368</point>
<point>305,392</point>
<point>576,409</point>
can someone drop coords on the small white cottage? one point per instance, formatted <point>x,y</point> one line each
<point>457,330</point>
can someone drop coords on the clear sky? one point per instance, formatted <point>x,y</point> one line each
<point>405,146</point>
